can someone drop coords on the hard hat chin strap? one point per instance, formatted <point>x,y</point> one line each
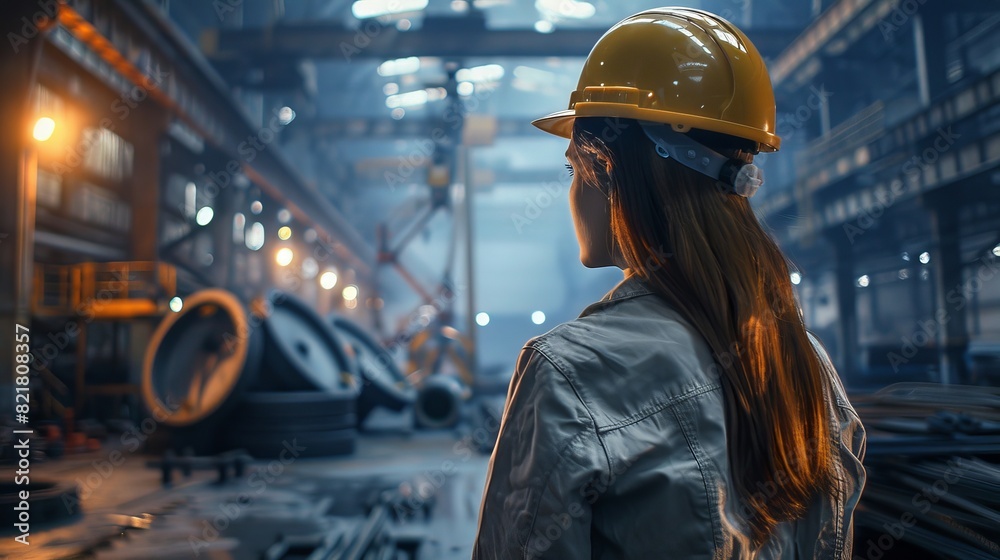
<point>743,178</point>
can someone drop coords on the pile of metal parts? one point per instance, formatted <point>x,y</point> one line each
<point>259,516</point>
<point>227,376</point>
<point>372,538</point>
<point>933,463</point>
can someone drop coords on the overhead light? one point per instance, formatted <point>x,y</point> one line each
<point>482,319</point>
<point>925,257</point>
<point>544,26</point>
<point>176,304</point>
<point>398,113</point>
<point>286,115</point>
<point>328,280</point>
<point>190,199</point>
<point>255,236</point>
<point>284,233</point>
<point>404,25</point>
<point>415,98</point>
<point>350,292</point>
<point>256,207</point>
<point>996,251</point>
<point>580,10</point>
<point>44,127</point>
<point>408,99</point>
<point>863,281</point>
<point>796,278</point>
<point>479,74</point>
<point>365,9</point>
<point>204,216</point>
<point>239,227</point>
<point>465,88</point>
<point>538,317</point>
<point>459,5</point>
<point>392,88</point>
<point>284,256</point>
<point>284,216</point>
<point>399,66</point>
<point>567,9</point>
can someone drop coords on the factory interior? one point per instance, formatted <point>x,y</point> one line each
<point>268,265</point>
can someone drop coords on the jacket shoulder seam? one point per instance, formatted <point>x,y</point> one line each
<point>555,362</point>
<point>657,407</point>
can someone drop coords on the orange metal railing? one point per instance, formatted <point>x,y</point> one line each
<point>104,289</point>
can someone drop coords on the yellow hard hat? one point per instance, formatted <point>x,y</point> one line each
<point>680,66</point>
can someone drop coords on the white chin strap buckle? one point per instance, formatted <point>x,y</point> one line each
<point>678,146</point>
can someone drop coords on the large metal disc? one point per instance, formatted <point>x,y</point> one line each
<point>384,383</point>
<point>199,360</point>
<point>303,351</point>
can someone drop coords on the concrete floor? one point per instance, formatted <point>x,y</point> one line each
<point>303,497</point>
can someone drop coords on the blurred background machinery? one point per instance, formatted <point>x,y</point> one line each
<point>278,257</point>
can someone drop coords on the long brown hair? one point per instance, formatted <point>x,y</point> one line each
<point>727,277</point>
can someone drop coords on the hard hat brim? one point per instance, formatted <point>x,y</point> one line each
<point>560,123</point>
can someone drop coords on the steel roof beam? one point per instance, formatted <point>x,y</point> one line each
<point>446,37</point>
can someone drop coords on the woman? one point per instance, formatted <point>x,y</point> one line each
<point>688,414</point>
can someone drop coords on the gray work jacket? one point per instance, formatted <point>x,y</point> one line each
<point>613,445</point>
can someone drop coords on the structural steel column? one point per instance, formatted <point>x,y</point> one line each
<point>929,40</point>
<point>847,324</point>
<point>21,22</point>
<point>952,335</point>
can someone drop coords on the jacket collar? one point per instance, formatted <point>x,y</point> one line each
<point>631,286</point>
